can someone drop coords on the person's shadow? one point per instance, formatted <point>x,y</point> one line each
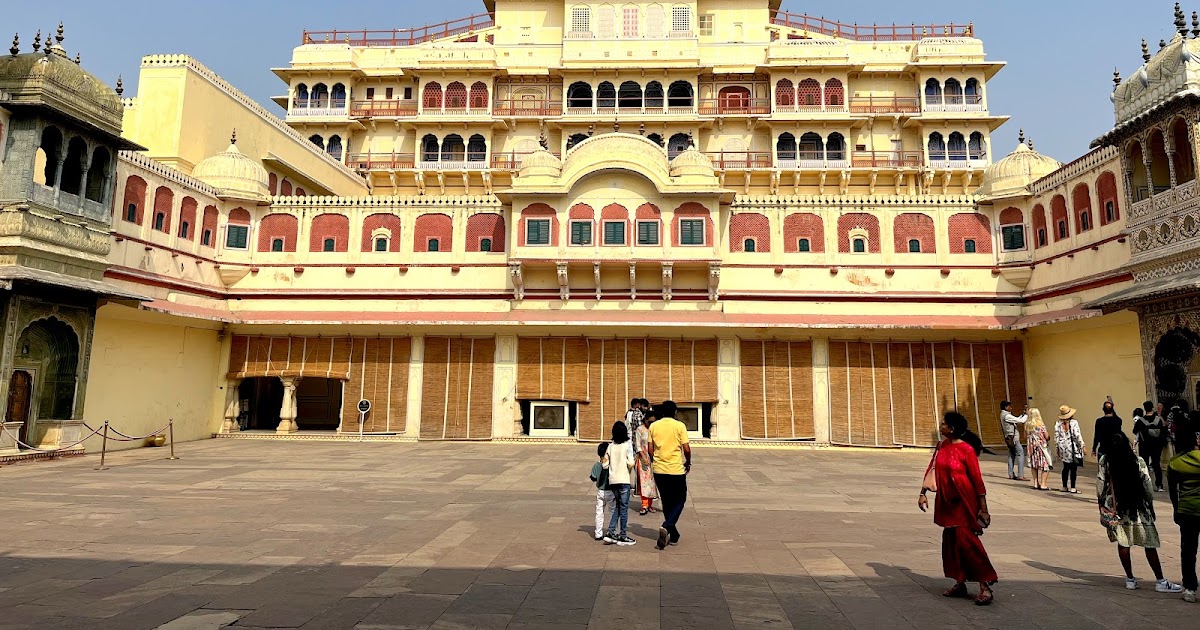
<point>1071,574</point>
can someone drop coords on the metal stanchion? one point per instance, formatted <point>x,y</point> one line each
<point>103,446</point>
<point>171,431</point>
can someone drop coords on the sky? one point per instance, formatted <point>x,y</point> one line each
<point>1060,53</point>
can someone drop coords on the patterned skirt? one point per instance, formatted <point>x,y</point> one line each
<point>1130,534</point>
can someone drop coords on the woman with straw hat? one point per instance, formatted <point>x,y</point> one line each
<point>1040,460</point>
<point>1069,442</point>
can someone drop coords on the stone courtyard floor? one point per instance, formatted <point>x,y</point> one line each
<point>319,535</point>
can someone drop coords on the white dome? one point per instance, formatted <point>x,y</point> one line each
<point>691,162</point>
<point>1012,175</point>
<point>541,162</point>
<point>234,175</point>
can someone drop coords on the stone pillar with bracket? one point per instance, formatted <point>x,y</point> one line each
<point>232,406</point>
<point>287,411</point>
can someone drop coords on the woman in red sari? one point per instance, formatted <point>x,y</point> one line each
<point>960,507</point>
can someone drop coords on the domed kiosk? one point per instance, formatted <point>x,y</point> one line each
<point>1011,176</point>
<point>234,175</point>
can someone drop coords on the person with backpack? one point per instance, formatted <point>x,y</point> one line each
<point>604,497</point>
<point>1150,431</point>
<point>1183,480</point>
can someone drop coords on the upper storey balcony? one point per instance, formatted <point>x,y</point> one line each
<point>869,32</point>
<point>319,101</point>
<point>402,36</point>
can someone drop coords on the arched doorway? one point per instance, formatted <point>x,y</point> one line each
<point>20,397</point>
<point>49,350</point>
<point>1176,368</point>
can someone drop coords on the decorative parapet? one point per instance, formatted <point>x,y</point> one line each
<point>952,49</point>
<point>1067,172</point>
<point>813,51</point>
<point>852,201</point>
<point>166,172</point>
<point>386,201</point>
<point>192,64</point>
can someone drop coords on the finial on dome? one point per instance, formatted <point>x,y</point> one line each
<point>1145,51</point>
<point>37,41</point>
<point>1021,137</point>
<point>971,29</point>
<point>16,47</point>
<point>616,126</point>
<point>1030,144</point>
<point>1180,21</point>
<point>233,138</point>
<point>1162,43</point>
<point>642,129</point>
<point>1116,77</point>
<point>591,130</point>
<point>691,140</point>
<point>120,86</point>
<point>58,35</point>
<point>78,59</point>
<point>1195,24</point>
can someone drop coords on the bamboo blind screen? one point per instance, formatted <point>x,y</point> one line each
<point>553,369</point>
<point>288,357</point>
<point>894,393</point>
<point>657,369</point>
<point>777,390</point>
<point>456,388</point>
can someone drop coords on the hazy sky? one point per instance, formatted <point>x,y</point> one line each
<point>1061,53</point>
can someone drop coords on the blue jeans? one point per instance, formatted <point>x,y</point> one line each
<point>621,509</point>
<point>1016,455</point>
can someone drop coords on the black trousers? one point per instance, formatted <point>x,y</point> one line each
<point>672,491</point>
<point>1070,470</point>
<point>1153,457</point>
<point>1189,534</point>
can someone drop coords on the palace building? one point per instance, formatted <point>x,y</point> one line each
<point>506,226</point>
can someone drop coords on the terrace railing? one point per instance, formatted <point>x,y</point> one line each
<point>379,161</point>
<point>735,107</point>
<point>887,159</point>
<point>872,32</point>
<point>526,109</point>
<point>383,109</point>
<point>739,160</point>
<point>402,36</point>
<point>885,105</point>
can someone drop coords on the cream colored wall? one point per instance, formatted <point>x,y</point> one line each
<point>1079,363</point>
<point>146,369</point>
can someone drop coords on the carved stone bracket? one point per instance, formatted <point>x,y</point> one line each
<point>596,277</point>
<point>714,280</point>
<point>633,281</point>
<point>564,286</point>
<point>668,273</point>
<point>518,280</point>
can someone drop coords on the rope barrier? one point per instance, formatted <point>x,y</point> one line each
<point>130,438</point>
<point>168,429</point>
<point>17,439</point>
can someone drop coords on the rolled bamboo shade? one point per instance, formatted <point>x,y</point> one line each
<point>777,390</point>
<point>894,393</point>
<point>456,389</point>
<point>553,369</point>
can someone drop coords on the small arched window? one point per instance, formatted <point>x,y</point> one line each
<point>785,148</point>
<point>183,229</point>
<point>654,95</point>
<point>276,244</point>
<point>317,140</point>
<point>579,95</point>
<point>606,95</point>
<point>749,246</point>
<point>159,220</point>
<point>1085,222</point>
<point>680,94</point>
<point>485,244</point>
<point>860,245</point>
<point>937,146</point>
<point>381,244</point>
<point>804,245</point>
<point>1062,229</point>
<point>969,246</point>
<point>933,92</point>
<point>206,238</point>
<point>434,245</point>
<point>329,245</point>
<point>131,213</point>
<point>914,246</point>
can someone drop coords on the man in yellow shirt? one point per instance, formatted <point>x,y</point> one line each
<point>672,461</point>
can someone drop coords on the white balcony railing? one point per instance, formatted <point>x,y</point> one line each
<point>955,164</point>
<point>453,165</point>
<point>336,112</point>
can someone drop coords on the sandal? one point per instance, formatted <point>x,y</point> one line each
<point>1073,491</point>
<point>985,598</point>
<point>643,512</point>
<point>958,590</point>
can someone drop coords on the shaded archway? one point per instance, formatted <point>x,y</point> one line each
<point>51,347</point>
<point>1173,356</point>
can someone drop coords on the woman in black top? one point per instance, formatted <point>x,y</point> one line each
<point>1106,425</point>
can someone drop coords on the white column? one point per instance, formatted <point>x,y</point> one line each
<point>505,412</point>
<point>232,406</point>
<point>821,415</point>
<point>416,364</point>
<point>726,417</point>
<point>287,411</point>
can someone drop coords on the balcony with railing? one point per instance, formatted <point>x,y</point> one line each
<point>605,109</point>
<point>379,161</point>
<point>809,108</point>
<point>735,107</point>
<point>469,161</point>
<point>335,108</point>
<point>402,36</point>
<point>954,103</point>
<point>527,108</point>
<point>383,109</point>
<point>954,160</point>
<point>885,105</point>
<point>811,160</point>
<point>871,32</point>
<point>739,160</point>
<point>887,159</point>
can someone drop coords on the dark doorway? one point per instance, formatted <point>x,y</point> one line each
<point>319,405</point>
<point>52,345</point>
<point>20,394</point>
<point>260,400</point>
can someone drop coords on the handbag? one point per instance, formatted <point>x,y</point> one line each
<point>1109,516</point>
<point>929,484</point>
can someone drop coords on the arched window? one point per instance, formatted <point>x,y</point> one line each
<point>734,99</point>
<point>975,147</point>
<point>1012,229</point>
<point>953,92</point>
<point>334,149</point>
<point>184,228</point>
<point>606,96</point>
<point>859,245</point>
<point>98,175</point>
<point>812,147</point>
<point>677,144</point>
<point>276,244</point>
<point>607,21</point>
<point>654,95</point>
<point>301,96</point>
<point>72,171</point>
<point>681,19</point>
<point>477,149</point>
<point>655,20</point>
<point>681,95</point>
<point>835,93</point>
<point>785,93</point>
<point>381,244</point>
<point>338,96</point>
<point>1137,172</point>
<point>581,20</point>
<point>748,246</point>
<point>933,92</point>
<point>317,140</point>
<point>431,95</point>
<point>1106,192</point>
<point>49,151</point>
<point>957,147</point>
<point>808,93</point>
<point>434,245</point>
<point>320,96</point>
<point>971,93</point>
<point>969,246</point>
<point>835,147</point>
<point>164,206</point>
<point>453,148</point>
<point>159,221</point>
<point>576,139</point>
<point>430,149</point>
<point>1160,170</point>
<point>803,245</point>
<point>937,147</point>
<point>629,22</point>
<point>579,95</point>
<point>914,246</point>
<point>187,217</point>
<point>1185,166</point>
<point>456,96</point>
<point>329,245</point>
<point>485,244</point>
<point>1040,231</point>
<point>1062,222</point>
<point>479,96</point>
<point>630,96</point>
<point>785,148</point>
<point>656,139</point>
<point>1081,201</point>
